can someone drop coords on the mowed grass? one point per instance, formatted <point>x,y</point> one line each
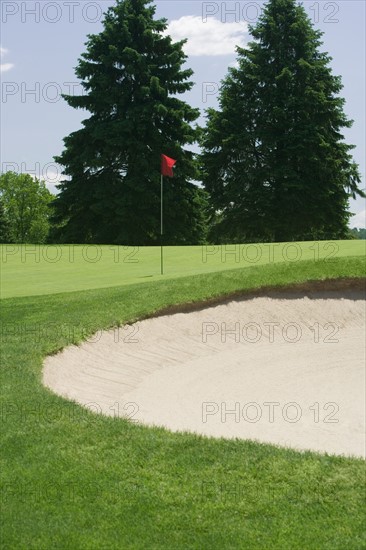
<point>71,479</point>
<point>28,270</point>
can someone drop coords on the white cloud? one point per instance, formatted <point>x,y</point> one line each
<point>4,66</point>
<point>358,220</point>
<point>211,38</point>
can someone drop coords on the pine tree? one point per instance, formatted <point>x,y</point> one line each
<point>132,75</point>
<point>274,159</point>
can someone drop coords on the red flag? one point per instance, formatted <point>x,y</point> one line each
<point>167,166</point>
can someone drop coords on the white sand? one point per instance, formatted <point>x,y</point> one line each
<point>170,376</point>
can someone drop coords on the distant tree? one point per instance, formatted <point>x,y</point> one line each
<point>274,161</point>
<point>358,233</point>
<point>4,224</point>
<point>132,75</point>
<point>27,205</point>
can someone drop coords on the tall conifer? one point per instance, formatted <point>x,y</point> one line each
<point>274,158</point>
<point>132,75</point>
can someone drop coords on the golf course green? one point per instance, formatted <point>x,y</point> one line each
<point>29,270</point>
<point>71,478</point>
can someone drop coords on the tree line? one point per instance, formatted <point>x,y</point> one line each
<point>273,166</point>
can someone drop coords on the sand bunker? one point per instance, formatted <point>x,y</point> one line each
<point>287,369</point>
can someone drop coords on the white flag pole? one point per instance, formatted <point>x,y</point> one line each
<point>161,227</point>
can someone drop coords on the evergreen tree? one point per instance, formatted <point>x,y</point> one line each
<point>274,159</point>
<point>4,224</point>
<point>131,74</point>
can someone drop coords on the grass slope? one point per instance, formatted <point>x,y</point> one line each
<point>28,270</point>
<point>71,479</point>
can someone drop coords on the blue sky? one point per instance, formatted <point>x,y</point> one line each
<point>41,42</point>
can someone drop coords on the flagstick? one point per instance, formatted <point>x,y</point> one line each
<point>161,228</point>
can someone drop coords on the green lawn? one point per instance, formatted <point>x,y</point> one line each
<point>71,479</point>
<point>33,270</point>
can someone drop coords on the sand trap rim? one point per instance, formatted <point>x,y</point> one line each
<point>347,284</point>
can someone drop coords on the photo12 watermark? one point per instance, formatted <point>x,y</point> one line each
<point>38,92</point>
<point>70,491</point>
<point>71,253</point>
<point>28,12</point>
<point>54,332</point>
<point>270,412</point>
<point>52,413</point>
<point>269,331</point>
<point>269,252</point>
<point>51,172</point>
<point>250,492</point>
<point>250,12</point>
